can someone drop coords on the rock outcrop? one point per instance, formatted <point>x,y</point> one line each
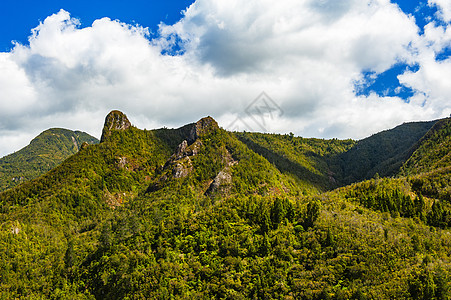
<point>115,120</point>
<point>179,165</point>
<point>201,127</point>
<point>222,183</point>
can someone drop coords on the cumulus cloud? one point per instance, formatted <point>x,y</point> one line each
<point>430,81</point>
<point>261,36</point>
<point>306,55</point>
<point>444,9</point>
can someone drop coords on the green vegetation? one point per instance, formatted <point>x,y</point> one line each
<point>44,152</point>
<point>434,150</point>
<point>309,161</point>
<point>201,213</point>
<point>383,153</point>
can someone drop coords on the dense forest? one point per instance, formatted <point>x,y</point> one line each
<point>201,213</point>
<point>44,152</point>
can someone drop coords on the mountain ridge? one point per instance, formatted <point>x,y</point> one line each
<point>196,212</point>
<point>341,165</point>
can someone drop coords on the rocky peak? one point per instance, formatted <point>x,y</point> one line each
<point>115,120</point>
<point>201,127</point>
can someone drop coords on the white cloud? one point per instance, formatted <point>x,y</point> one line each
<point>306,55</point>
<point>261,36</point>
<point>431,81</point>
<point>17,92</point>
<point>444,7</point>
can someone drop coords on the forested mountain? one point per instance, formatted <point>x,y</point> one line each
<point>327,164</point>
<point>312,162</point>
<point>43,153</point>
<point>433,150</point>
<point>201,213</point>
<point>383,153</point>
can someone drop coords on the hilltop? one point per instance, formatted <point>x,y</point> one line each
<point>44,152</point>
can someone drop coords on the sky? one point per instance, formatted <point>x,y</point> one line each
<point>316,68</point>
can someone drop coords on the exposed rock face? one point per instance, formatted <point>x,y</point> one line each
<point>85,145</point>
<point>179,165</point>
<point>122,162</point>
<point>75,143</point>
<point>181,150</point>
<point>115,120</point>
<point>180,161</point>
<point>224,177</point>
<point>201,127</point>
<point>182,168</point>
<point>223,180</point>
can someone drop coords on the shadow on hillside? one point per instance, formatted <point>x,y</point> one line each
<point>173,137</point>
<point>383,153</point>
<point>285,165</point>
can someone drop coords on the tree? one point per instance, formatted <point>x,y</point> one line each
<point>436,214</point>
<point>312,213</point>
<point>280,210</point>
<point>106,235</point>
<point>69,255</point>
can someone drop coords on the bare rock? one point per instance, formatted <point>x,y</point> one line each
<point>182,168</point>
<point>85,145</point>
<point>223,180</point>
<point>181,150</point>
<point>115,120</point>
<point>223,177</point>
<point>122,162</point>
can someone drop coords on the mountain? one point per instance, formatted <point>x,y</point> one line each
<point>44,152</point>
<point>308,160</point>
<point>199,212</point>
<point>327,164</point>
<point>383,153</point>
<point>433,150</point>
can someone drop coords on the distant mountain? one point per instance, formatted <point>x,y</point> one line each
<point>383,153</point>
<point>327,164</point>
<point>43,153</point>
<point>201,213</point>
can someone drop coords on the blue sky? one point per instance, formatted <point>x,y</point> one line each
<point>387,83</point>
<point>17,18</point>
<point>343,69</point>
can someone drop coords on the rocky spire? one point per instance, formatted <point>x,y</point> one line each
<point>201,127</point>
<point>115,120</point>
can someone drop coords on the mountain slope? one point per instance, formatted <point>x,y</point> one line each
<point>382,153</point>
<point>307,160</point>
<point>73,204</point>
<point>43,153</point>
<point>194,212</point>
<point>433,150</point>
<point>327,164</point>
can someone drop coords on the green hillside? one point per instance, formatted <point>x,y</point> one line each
<point>383,153</point>
<point>310,161</point>
<point>433,151</point>
<point>43,153</point>
<point>201,213</point>
<point>327,164</point>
